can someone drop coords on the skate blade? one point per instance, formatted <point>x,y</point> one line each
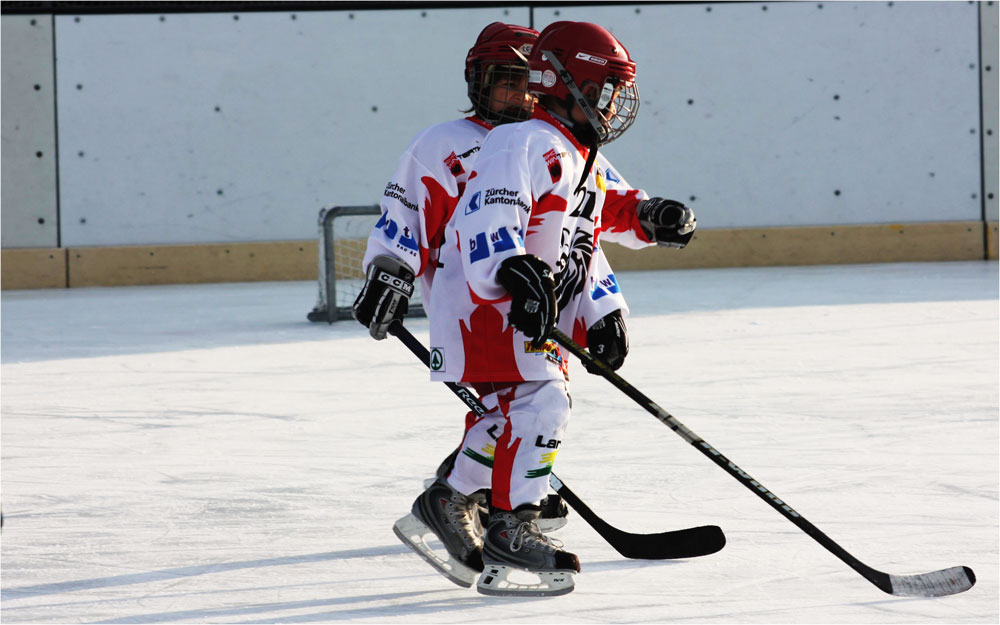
<point>414,534</point>
<point>496,581</point>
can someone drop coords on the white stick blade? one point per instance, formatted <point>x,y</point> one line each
<point>934,584</point>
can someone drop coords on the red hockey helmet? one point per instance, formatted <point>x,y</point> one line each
<point>495,70</point>
<point>584,63</point>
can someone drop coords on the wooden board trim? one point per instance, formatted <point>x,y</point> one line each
<point>33,268</point>
<point>297,260</point>
<point>192,264</point>
<point>813,245</point>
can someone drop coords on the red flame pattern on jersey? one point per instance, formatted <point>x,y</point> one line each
<point>620,214</point>
<point>438,208</point>
<point>580,332</point>
<point>548,204</point>
<point>489,347</point>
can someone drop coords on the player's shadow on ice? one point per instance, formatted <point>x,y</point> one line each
<point>453,598</point>
<point>21,592</point>
<point>383,605</point>
<point>448,597</point>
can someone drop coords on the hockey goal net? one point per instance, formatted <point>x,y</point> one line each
<point>343,239</point>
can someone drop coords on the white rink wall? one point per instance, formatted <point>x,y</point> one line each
<point>219,127</point>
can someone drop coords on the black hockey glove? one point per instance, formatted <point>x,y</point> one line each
<point>385,296</point>
<point>533,296</point>
<point>666,222</point>
<point>607,341</point>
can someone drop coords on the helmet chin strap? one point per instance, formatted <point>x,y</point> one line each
<point>599,132</point>
<point>591,157</point>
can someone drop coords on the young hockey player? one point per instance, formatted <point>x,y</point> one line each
<point>421,195</point>
<point>418,202</point>
<point>521,255</point>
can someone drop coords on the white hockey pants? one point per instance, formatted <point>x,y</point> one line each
<point>511,449</point>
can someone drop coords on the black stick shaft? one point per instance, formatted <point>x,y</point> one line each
<point>880,579</point>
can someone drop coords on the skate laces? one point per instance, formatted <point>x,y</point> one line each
<point>530,532</point>
<point>461,511</point>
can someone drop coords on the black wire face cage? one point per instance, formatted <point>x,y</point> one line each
<point>497,92</point>
<point>616,109</point>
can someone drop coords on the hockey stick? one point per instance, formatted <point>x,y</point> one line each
<point>934,584</point>
<point>685,543</point>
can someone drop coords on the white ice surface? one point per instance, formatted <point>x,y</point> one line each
<point>203,454</point>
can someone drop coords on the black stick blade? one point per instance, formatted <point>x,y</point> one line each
<point>690,542</point>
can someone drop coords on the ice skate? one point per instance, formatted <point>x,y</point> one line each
<point>554,510</point>
<point>553,515</point>
<point>519,560</point>
<point>453,518</point>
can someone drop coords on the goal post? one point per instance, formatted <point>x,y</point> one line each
<point>343,239</point>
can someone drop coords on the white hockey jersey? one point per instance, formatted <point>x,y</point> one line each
<point>421,195</point>
<point>523,197</point>
<point>420,198</point>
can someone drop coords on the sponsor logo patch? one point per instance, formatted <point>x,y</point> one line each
<point>552,443</point>
<point>437,359</point>
<point>583,56</point>
<point>550,350</point>
<point>398,192</point>
<point>549,346</point>
<point>473,204</point>
<point>396,284</point>
<point>506,196</point>
<point>555,166</point>
<point>408,241</point>
<point>501,240</point>
<point>454,165</point>
<point>390,229</point>
<point>605,286</point>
